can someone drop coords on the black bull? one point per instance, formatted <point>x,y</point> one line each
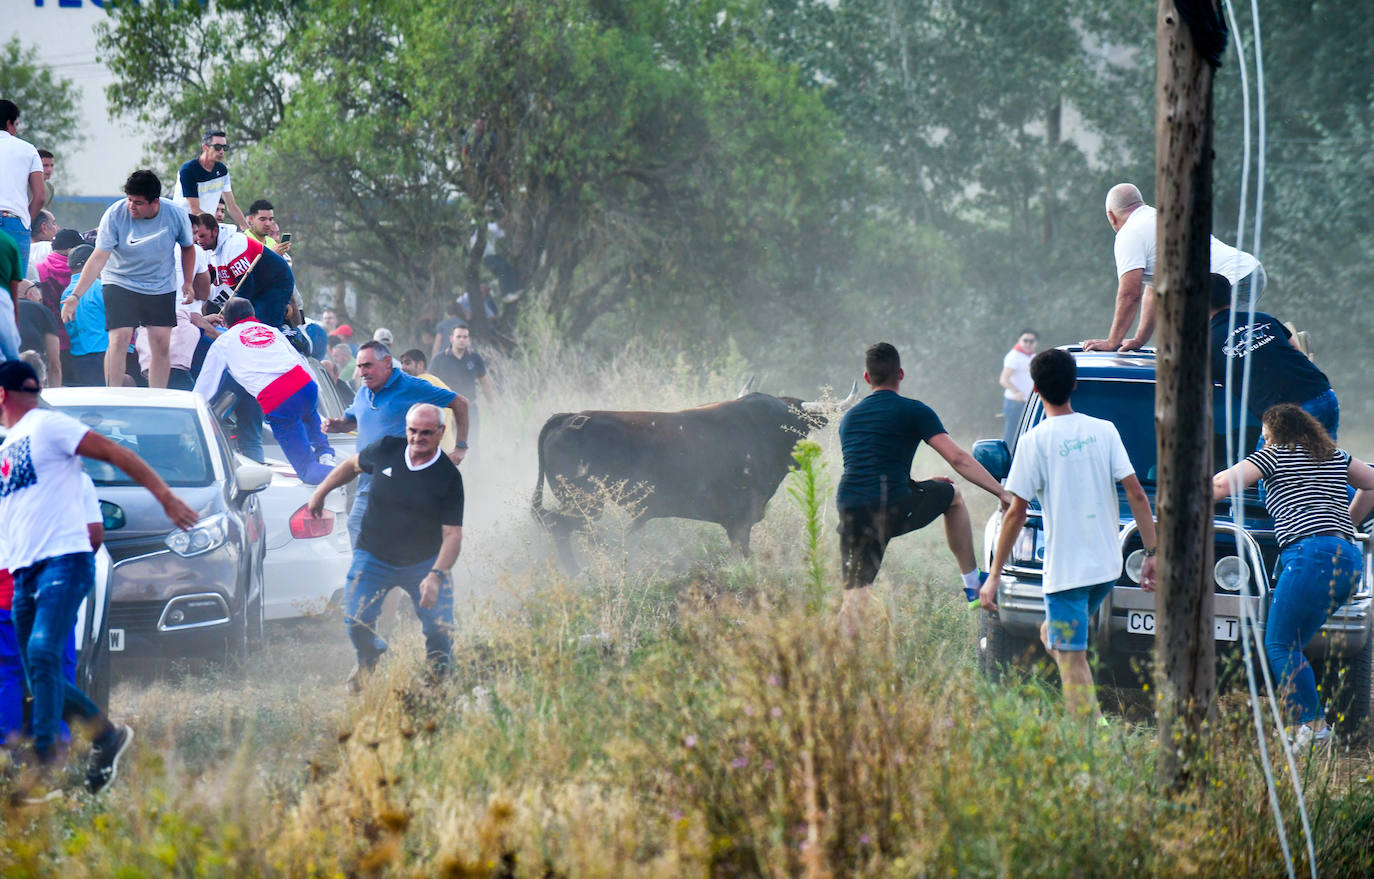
<point>716,463</point>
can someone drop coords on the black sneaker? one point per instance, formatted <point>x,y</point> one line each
<point>104,765</point>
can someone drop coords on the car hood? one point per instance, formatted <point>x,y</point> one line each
<point>143,515</point>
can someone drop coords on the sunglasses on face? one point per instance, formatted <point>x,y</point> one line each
<point>220,147</point>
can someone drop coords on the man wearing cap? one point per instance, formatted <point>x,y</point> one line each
<point>86,328</point>
<point>379,409</point>
<point>261,360</point>
<point>46,547</point>
<point>21,183</point>
<point>133,260</point>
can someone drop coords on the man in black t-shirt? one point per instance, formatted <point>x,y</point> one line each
<point>1279,372</point>
<point>463,370</point>
<point>410,537</point>
<point>39,331</point>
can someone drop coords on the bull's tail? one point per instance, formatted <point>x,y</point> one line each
<point>537,501</point>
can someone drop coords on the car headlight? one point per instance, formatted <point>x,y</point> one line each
<point>1231,573</point>
<point>1135,563</point>
<point>1024,549</point>
<point>209,534</point>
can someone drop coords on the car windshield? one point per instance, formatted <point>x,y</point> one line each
<point>170,440</point>
<point>1131,407</point>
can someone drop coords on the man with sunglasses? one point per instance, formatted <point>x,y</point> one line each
<point>205,180</point>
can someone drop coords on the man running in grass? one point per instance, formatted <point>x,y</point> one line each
<point>1071,463</point>
<point>878,499</point>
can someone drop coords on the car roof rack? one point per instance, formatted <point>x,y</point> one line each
<point>1147,351</point>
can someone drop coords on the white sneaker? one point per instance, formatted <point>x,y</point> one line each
<point>328,459</point>
<point>1306,738</point>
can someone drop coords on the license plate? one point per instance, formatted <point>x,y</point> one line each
<point>116,640</point>
<point>1142,622</point>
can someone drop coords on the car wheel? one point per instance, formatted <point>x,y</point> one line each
<point>1001,653</point>
<point>1347,688</point>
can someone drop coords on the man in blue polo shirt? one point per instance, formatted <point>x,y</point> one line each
<point>379,410</point>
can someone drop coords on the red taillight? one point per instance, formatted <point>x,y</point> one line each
<point>305,526</point>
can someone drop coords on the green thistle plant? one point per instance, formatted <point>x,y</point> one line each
<point>809,489</point>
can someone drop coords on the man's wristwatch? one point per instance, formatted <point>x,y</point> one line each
<point>1150,553</point>
<point>461,444</point>
<point>443,575</point>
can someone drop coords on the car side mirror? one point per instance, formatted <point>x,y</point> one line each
<point>111,516</point>
<point>252,477</point>
<point>994,456</point>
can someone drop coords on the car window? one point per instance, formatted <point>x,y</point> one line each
<point>1131,407</point>
<point>329,405</point>
<point>170,440</point>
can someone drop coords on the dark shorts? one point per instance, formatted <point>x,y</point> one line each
<point>128,308</point>
<point>865,531</point>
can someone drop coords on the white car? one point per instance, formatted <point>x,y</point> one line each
<point>307,559</point>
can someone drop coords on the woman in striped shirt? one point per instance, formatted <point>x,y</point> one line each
<point>1305,479</point>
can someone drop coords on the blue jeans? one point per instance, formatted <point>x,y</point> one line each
<point>47,595</point>
<point>369,581</point>
<point>355,515</point>
<point>248,414</point>
<point>296,426</point>
<point>1326,409</point>
<point>15,228</point>
<point>1316,576</point>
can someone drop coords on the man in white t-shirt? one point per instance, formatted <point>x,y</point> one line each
<point>21,183</point>
<point>1134,249</point>
<point>1016,382</point>
<point>1071,463</point>
<point>47,548</point>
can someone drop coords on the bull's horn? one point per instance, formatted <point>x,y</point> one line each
<point>851,399</point>
<point>812,406</point>
<point>748,386</point>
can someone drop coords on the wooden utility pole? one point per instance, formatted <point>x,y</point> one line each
<point>1185,665</point>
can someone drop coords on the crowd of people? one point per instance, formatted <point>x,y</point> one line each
<point>165,294</point>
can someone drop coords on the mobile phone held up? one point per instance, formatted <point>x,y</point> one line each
<point>286,238</point>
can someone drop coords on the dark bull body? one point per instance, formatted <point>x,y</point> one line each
<point>716,463</point>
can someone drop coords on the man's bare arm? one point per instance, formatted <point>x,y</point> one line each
<point>233,208</point>
<point>37,193</point>
<point>93,445</point>
<point>343,473</point>
<point>967,466</point>
<point>1128,295</point>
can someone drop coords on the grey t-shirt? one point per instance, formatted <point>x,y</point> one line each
<point>142,258</point>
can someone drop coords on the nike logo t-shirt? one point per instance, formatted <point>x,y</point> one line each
<point>142,255</point>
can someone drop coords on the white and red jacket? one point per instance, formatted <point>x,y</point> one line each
<point>233,258</point>
<point>258,357</point>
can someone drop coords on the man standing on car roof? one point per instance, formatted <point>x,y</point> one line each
<point>410,536</point>
<point>267,366</point>
<point>1071,463</point>
<point>47,549</point>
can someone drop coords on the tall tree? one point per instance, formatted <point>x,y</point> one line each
<point>631,158</point>
<point>47,102</point>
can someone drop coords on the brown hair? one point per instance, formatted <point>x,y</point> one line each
<point>1290,426</point>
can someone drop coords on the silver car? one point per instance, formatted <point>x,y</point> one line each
<point>176,593</point>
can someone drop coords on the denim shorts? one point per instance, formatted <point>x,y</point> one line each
<point>1068,613</point>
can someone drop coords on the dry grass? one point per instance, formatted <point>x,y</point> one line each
<point>672,711</point>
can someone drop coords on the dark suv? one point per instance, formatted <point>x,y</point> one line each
<point>1121,388</point>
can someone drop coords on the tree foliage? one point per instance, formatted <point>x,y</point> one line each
<point>47,102</point>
